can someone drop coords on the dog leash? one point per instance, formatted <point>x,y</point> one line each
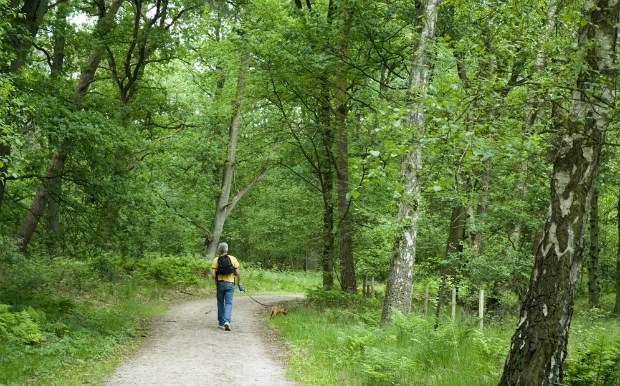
<point>248,295</point>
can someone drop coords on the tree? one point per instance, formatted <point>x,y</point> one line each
<point>223,206</point>
<point>617,303</point>
<point>539,344</point>
<point>105,24</point>
<point>399,285</point>
<point>594,290</point>
<point>341,151</point>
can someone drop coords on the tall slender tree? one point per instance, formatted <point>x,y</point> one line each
<point>223,206</point>
<point>594,290</point>
<point>617,303</point>
<point>399,285</point>
<point>341,152</point>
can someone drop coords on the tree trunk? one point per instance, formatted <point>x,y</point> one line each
<point>221,210</point>
<point>454,248</point>
<point>594,291</point>
<point>54,186</point>
<point>327,259</point>
<point>539,344</point>
<point>348,281</point>
<point>477,238</point>
<point>399,286</point>
<point>30,221</point>
<point>5,153</point>
<point>617,306</point>
<point>325,173</point>
<point>33,12</point>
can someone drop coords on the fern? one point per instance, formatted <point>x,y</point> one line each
<point>21,326</point>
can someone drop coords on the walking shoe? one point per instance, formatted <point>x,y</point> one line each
<point>227,326</point>
<point>222,326</point>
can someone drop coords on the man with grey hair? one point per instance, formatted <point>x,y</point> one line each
<point>224,270</point>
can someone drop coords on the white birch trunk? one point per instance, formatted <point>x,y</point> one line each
<point>399,286</point>
<point>539,345</point>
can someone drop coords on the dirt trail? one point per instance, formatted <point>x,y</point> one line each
<point>186,347</point>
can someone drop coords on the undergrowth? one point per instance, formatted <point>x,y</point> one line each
<point>68,322</point>
<point>336,338</point>
<point>65,322</point>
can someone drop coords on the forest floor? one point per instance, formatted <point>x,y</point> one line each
<point>186,347</point>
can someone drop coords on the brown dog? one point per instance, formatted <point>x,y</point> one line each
<point>277,309</point>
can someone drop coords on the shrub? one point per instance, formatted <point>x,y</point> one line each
<point>173,271</point>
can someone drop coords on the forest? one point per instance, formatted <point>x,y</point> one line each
<point>395,149</point>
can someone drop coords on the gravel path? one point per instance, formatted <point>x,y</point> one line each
<point>186,347</point>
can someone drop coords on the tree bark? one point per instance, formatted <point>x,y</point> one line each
<point>325,173</point>
<point>327,258</point>
<point>348,281</point>
<point>617,305</point>
<point>594,290</point>
<point>30,221</point>
<point>217,225</point>
<point>33,12</point>
<point>399,285</point>
<point>54,185</point>
<point>454,248</point>
<point>539,344</point>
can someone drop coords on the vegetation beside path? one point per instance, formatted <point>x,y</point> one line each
<point>69,322</point>
<point>336,338</point>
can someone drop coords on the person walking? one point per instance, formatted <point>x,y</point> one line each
<point>224,270</point>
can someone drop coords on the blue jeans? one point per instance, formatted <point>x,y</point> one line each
<point>224,295</point>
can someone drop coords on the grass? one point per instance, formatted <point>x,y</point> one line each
<point>346,345</point>
<point>257,280</point>
<point>79,348</point>
<point>67,322</point>
<point>336,339</point>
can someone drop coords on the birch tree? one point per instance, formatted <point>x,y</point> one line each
<point>399,285</point>
<point>539,344</point>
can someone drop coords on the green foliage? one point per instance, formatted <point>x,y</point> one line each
<point>257,279</point>
<point>172,271</point>
<point>20,327</point>
<point>336,339</point>
<point>596,365</point>
<point>67,321</point>
<point>63,321</point>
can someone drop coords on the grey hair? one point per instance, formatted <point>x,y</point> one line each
<point>222,248</point>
